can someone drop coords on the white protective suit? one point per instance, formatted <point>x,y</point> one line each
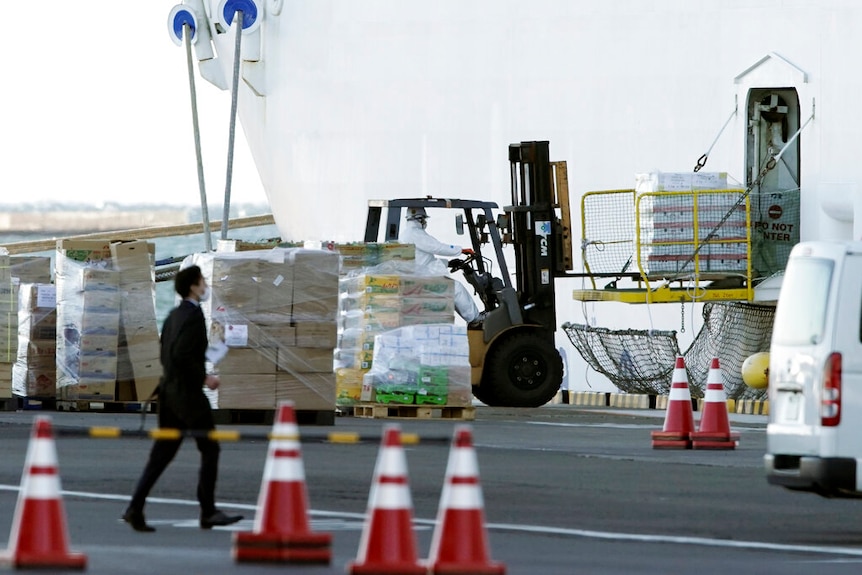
<point>427,247</point>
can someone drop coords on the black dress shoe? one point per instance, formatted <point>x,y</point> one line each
<point>137,521</point>
<point>218,518</point>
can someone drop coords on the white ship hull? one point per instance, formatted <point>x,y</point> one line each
<point>342,101</point>
<point>347,100</point>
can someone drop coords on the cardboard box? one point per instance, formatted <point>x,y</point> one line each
<point>246,391</point>
<point>100,301</point>
<point>427,287</point>
<point>277,335</point>
<point>29,380</point>
<point>91,343</point>
<point>322,334</point>
<point>275,287</point>
<point>143,347</point>
<point>92,388</point>
<point>309,391</point>
<point>144,386</point>
<point>243,361</point>
<point>83,251</point>
<point>100,323</point>
<point>310,305</point>
<point>348,385</point>
<point>99,279</point>
<point>305,360</point>
<point>97,366</point>
<point>31,269</point>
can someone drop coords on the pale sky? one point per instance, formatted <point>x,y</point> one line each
<point>95,106</point>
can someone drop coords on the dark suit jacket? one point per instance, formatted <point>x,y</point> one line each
<point>183,355</point>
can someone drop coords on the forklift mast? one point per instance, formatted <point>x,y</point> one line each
<point>536,232</point>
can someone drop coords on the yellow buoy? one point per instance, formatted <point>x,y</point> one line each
<point>755,370</point>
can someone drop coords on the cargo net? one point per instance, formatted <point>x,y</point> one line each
<point>609,231</point>
<point>642,361</point>
<point>774,230</point>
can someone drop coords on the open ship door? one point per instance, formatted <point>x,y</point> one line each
<point>773,118</point>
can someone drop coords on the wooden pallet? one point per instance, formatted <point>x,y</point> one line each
<point>381,411</point>
<point>105,406</point>
<point>266,416</point>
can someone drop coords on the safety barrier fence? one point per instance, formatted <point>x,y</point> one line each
<point>227,435</point>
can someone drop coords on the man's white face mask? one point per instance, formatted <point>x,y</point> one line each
<point>205,295</point>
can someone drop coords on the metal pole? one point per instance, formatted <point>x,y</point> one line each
<point>204,209</point>
<point>238,20</point>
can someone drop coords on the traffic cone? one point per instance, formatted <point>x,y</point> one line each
<point>679,419</point>
<point>39,537</point>
<point>460,543</point>
<point>388,544</point>
<point>714,429</point>
<point>281,530</point>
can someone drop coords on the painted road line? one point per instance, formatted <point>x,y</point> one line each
<point>537,529</point>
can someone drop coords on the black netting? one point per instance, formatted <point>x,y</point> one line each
<point>636,361</point>
<point>642,361</point>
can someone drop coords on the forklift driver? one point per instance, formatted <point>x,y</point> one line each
<point>427,247</point>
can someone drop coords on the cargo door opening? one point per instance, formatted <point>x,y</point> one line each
<point>773,118</point>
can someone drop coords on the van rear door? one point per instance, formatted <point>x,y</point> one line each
<point>816,355</point>
<point>801,339</point>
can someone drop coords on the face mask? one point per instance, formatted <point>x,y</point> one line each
<point>205,296</point>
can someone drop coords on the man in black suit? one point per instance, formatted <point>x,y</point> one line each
<point>182,403</point>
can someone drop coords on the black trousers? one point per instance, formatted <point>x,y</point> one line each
<point>163,452</point>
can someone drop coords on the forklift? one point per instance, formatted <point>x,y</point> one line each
<point>513,356</point>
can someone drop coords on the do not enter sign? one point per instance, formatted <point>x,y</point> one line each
<point>775,211</point>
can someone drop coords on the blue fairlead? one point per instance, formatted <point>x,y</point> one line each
<point>179,16</point>
<point>249,12</point>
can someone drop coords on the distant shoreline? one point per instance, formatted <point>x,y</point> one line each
<point>91,221</point>
<point>73,219</point>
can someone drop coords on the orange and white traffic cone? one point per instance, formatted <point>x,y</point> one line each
<point>460,543</point>
<point>282,532</point>
<point>39,536</point>
<point>714,429</point>
<point>679,418</point>
<point>388,543</point>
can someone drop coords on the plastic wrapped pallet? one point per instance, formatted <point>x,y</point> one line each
<point>31,269</point>
<point>35,371</point>
<point>376,300</point>
<point>420,364</point>
<point>276,311</point>
<point>88,323</point>
<point>138,366</point>
<point>8,314</point>
<point>358,256</point>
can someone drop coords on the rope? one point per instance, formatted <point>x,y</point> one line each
<point>238,20</point>
<point>197,133</point>
<point>701,161</point>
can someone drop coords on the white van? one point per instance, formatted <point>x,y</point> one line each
<point>814,436</point>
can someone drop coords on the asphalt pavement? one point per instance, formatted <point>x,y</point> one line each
<point>566,490</point>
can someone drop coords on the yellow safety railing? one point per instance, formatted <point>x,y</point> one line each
<point>667,237</point>
<point>716,235</point>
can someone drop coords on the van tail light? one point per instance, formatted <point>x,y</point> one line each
<point>830,400</point>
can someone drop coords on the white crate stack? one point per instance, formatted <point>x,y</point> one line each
<point>667,227</point>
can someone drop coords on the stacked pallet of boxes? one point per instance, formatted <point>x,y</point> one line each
<point>307,370</point>
<point>668,222</point>
<point>248,371</point>
<point>88,320</point>
<point>8,324</point>
<point>34,374</point>
<point>374,303</point>
<point>276,311</point>
<point>420,365</point>
<point>138,366</point>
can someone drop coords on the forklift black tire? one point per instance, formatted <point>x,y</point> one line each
<point>485,394</point>
<point>523,369</point>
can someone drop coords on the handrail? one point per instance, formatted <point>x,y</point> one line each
<point>44,245</point>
